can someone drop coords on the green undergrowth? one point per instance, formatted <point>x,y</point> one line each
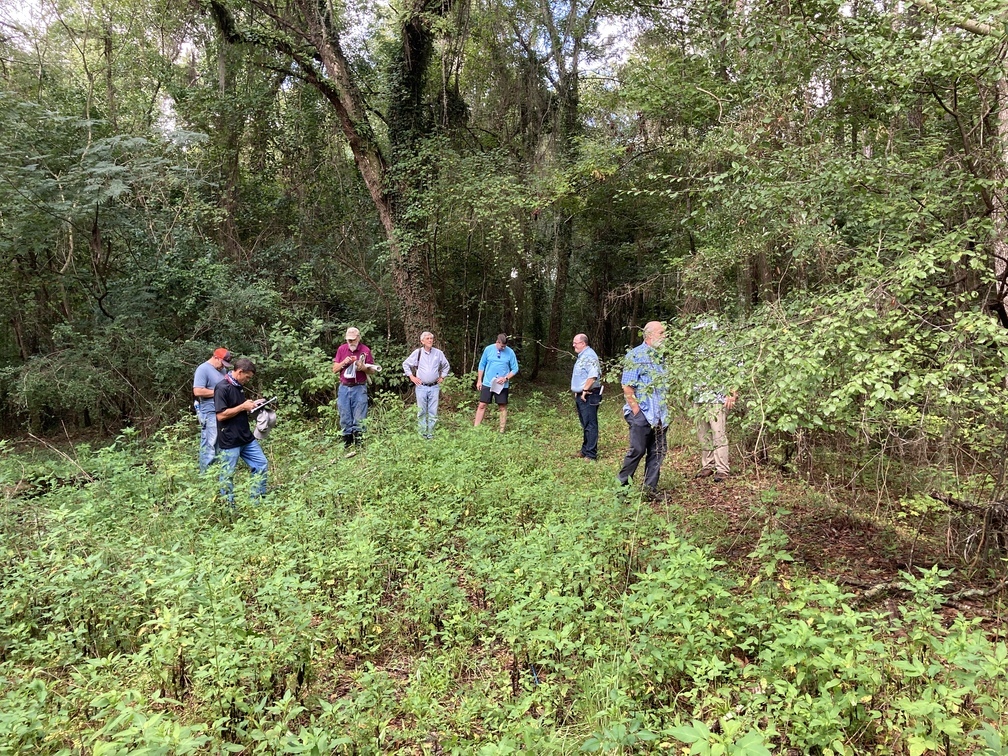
<point>482,593</point>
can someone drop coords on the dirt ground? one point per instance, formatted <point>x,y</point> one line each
<point>834,539</point>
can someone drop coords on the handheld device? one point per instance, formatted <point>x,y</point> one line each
<point>267,403</point>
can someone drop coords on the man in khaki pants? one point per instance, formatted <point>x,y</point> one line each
<point>713,406</point>
<point>712,436</point>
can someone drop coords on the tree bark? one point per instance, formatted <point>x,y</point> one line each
<point>309,38</point>
<point>567,130</point>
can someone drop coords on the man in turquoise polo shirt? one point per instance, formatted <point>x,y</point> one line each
<point>497,367</point>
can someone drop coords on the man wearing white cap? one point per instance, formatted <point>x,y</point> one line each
<point>353,363</point>
<point>206,377</point>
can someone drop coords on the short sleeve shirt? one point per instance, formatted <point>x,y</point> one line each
<point>498,362</point>
<point>235,432</point>
<point>587,366</point>
<point>643,370</point>
<point>207,376</point>
<point>342,353</point>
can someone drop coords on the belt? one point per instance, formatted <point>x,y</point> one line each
<point>428,385</point>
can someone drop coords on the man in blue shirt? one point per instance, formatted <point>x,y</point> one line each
<point>206,377</point>
<point>497,367</point>
<point>586,383</point>
<point>646,408</point>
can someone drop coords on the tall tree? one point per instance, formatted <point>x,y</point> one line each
<point>555,36</point>
<point>995,198</point>
<point>308,33</point>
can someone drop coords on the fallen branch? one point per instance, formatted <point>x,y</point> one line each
<point>952,600</point>
<point>66,456</point>
<point>963,506</point>
<point>971,593</point>
<point>891,585</point>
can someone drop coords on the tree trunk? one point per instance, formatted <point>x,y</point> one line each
<point>564,244</point>
<point>999,212</point>
<point>314,27</point>
<point>229,132</point>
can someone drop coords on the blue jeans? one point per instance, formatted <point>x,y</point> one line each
<point>645,441</point>
<point>351,401</point>
<point>252,455</point>
<point>588,415</point>
<point>208,440</point>
<point>427,398</point>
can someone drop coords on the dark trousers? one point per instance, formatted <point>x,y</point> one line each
<point>648,443</point>
<point>587,410</point>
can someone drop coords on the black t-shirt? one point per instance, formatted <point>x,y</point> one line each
<point>234,432</point>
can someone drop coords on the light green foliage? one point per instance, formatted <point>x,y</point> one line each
<point>475,592</point>
<point>864,360</point>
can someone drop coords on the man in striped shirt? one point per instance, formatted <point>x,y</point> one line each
<point>426,367</point>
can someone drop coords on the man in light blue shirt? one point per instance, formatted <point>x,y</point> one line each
<point>206,377</point>
<point>586,383</point>
<point>497,367</point>
<point>426,368</point>
<point>646,408</point>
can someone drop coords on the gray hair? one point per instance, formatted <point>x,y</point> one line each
<point>652,326</point>
<point>425,334</point>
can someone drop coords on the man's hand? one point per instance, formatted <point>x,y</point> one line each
<point>500,379</point>
<point>416,381</point>
<point>250,404</point>
<point>630,395</point>
<point>729,401</point>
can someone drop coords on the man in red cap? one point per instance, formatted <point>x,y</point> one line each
<point>206,377</point>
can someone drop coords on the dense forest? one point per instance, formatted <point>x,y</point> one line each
<point>826,177</point>
<point>812,195</point>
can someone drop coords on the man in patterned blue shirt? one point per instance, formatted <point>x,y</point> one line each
<point>646,408</point>
<point>586,383</point>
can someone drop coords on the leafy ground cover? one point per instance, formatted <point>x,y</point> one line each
<point>481,593</point>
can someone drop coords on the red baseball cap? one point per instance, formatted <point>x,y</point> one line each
<point>224,356</point>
